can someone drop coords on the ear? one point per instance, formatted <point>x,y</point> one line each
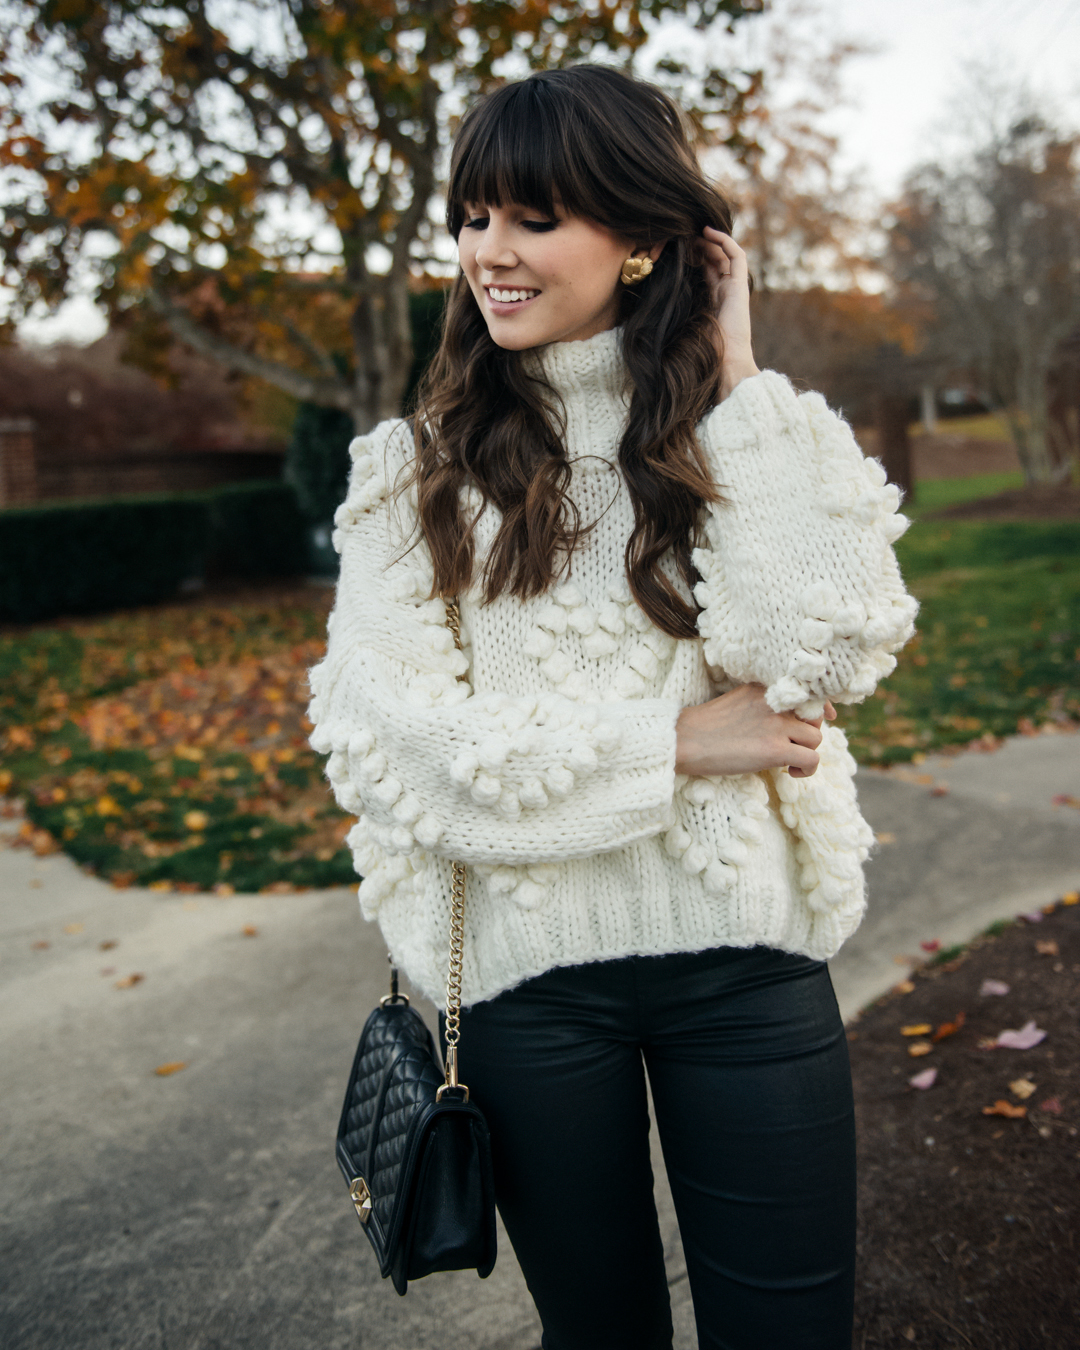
<point>657,249</point>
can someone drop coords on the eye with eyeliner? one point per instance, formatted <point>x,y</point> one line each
<point>535,226</point>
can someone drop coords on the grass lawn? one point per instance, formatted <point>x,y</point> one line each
<point>168,747</point>
<point>933,494</point>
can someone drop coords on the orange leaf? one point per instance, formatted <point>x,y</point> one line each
<point>129,981</point>
<point>949,1028</point>
<point>1004,1108</point>
<point>249,930</point>
<point>917,1029</point>
<point>173,1066</point>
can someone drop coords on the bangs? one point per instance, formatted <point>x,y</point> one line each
<point>515,150</point>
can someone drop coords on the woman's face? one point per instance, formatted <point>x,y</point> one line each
<point>539,280</point>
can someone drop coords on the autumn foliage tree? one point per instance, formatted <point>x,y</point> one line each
<point>989,243</point>
<point>260,177</point>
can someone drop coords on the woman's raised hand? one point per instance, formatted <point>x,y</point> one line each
<point>739,733</point>
<point>729,280</point>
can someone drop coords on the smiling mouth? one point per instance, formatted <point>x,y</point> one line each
<point>510,295</point>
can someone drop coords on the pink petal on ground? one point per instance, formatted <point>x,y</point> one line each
<point>1028,1035</point>
<point>989,987</point>
<point>923,1080</point>
<point>1052,1106</point>
<point>932,946</point>
<point>1034,917</point>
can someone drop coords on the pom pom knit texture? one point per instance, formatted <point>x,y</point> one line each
<point>550,770</point>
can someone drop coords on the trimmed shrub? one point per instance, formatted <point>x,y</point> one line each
<point>256,530</point>
<point>78,557</point>
<point>83,557</point>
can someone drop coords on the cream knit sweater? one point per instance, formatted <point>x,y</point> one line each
<point>551,772</point>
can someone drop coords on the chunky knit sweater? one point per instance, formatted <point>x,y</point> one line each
<point>550,771</point>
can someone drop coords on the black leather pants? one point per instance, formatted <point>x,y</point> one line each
<point>748,1066</point>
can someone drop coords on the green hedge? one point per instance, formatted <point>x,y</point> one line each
<point>256,530</point>
<point>85,556</point>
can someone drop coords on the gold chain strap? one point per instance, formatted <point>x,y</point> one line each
<point>457,925</point>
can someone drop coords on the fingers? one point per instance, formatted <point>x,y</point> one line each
<point>724,251</point>
<point>804,733</point>
<point>804,763</point>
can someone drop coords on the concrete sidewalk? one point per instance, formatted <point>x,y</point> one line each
<point>203,1211</point>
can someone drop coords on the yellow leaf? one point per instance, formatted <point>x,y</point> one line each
<point>1022,1088</point>
<point>196,820</point>
<point>107,806</point>
<point>130,981</point>
<point>917,1029</point>
<point>1071,898</point>
<point>917,1048</point>
<point>173,1066</point>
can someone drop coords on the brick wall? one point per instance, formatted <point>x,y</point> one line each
<point>18,475</point>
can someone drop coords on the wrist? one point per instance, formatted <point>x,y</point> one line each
<point>733,373</point>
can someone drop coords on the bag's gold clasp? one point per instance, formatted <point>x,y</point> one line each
<point>361,1198</point>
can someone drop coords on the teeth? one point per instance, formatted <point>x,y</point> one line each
<point>506,297</point>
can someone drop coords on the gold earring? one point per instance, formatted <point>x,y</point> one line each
<point>635,270</point>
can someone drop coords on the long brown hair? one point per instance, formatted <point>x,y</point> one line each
<point>613,150</point>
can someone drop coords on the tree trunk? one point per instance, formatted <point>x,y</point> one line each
<point>894,444</point>
<point>929,409</point>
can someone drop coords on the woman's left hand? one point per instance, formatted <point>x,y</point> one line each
<point>729,280</point>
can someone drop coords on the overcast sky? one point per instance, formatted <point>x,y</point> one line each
<point>898,94</point>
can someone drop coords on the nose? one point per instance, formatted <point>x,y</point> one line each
<point>495,250</point>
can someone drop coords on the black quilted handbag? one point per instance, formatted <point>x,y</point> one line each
<point>415,1152</point>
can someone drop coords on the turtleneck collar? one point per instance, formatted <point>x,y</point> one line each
<point>589,369</point>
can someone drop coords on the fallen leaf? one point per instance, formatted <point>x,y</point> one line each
<point>932,946</point>
<point>1022,1088</point>
<point>160,886</point>
<point>196,820</point>
<point>917,1029</point>
<point>224,888</point>
<point>1065,799</point>
<point>986,1043</point>
<point>173,1066</point>
<point>73,928</point>
<point>39,946</point>
<point>923,1080</point>
<point>1051,1106</point>
<point>249,930</point>
<point>1004,1108</point>
<point>107,945</point>
<point>1028,1036</point>
<point>1071,898</point>
<point>904,987</point>
<point>129,981</point>
<point>949,1028</point>
<point>940,790</point>
<point>918,1048</point>
<point>885,837</point>
<point>993,987</point>
<point>1047,948</point>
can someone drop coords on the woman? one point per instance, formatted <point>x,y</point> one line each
<point>668,564</point>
